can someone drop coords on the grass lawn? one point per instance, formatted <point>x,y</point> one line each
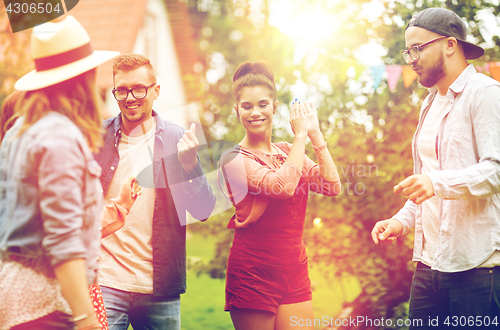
<point>329,295</point>
<point>202,306</point>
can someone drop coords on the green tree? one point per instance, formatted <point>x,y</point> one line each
<point>14,60</point>
<point>368,131</point>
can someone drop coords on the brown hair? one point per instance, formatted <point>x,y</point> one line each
<point>7,115</point>
<point>129,62</point>
<point>76,98</point>
<point>249,74</point>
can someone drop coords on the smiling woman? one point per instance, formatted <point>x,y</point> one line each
<point>256,110</point>
<point>267,278</point>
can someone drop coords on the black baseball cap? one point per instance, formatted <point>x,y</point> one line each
<point>446,23</point>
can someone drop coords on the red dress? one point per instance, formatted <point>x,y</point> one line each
<point>267,264</point>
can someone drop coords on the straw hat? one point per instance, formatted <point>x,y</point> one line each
<point>61,51</point>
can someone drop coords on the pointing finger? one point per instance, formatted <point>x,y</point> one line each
<point>402,185</point>
<point>375,235</point>
<point>189,136</point>
<point>377,230</point>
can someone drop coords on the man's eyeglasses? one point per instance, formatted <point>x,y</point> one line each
<point>414,52</point>
<point>138,93</point>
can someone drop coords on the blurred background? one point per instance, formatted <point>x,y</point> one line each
<point>344,56</point>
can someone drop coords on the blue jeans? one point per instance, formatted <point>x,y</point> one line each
<point>143,311</point>
<point>441,300</point>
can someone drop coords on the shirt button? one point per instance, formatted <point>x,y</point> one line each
<point>112,168</point>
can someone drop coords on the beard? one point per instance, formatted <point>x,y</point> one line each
<point>432,75</point>
<point>133,117</point>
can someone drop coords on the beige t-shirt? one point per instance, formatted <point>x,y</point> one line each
<point>126,258</point>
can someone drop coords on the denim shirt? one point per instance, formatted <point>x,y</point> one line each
<point>50,194</point>
<point>176,193</point>
<point>468,180</point>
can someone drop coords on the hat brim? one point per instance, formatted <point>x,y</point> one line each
<point>471,51</point>
<point>41,79</point>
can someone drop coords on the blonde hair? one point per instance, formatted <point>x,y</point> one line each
<point>130,62</point>
<point>8,115</point>
<point>76,98</point>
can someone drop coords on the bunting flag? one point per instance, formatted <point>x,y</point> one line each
<point>358,70</point>
<point>394,72</point>
<point>494,68</point>
<point>483,69</point>
<point>408,75</point>
<point>377,72</point>
<point>351,69</point>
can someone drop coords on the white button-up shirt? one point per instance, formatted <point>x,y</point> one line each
<point>468,180</point>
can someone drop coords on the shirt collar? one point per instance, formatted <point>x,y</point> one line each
<point>462,80</point>
<point>458,85</point>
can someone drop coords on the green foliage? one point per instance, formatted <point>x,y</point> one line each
<point>202,307</point>
<point>15,60</point>
<point>368,132</point>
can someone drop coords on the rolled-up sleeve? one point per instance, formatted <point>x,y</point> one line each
<point>245,171</point>
<point>407,216</point>
<point>60,178</point>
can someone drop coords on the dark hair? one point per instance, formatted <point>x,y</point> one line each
<point>129,62</point>
<point>249,74</point>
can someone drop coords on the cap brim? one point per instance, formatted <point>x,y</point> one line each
<point>471,51</point>
<point>41,79</point>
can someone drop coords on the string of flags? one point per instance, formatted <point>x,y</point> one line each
<point>349,68</point>
<point>394,72</point>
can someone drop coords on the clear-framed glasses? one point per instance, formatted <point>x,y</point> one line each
<point>414,52</point>
<point>138,93</point>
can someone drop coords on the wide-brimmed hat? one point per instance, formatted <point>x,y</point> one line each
<point>61,51</point>
<point>446,23</point>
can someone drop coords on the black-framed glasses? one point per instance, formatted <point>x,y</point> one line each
<point>414,52</point>
<point>138,93</point>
